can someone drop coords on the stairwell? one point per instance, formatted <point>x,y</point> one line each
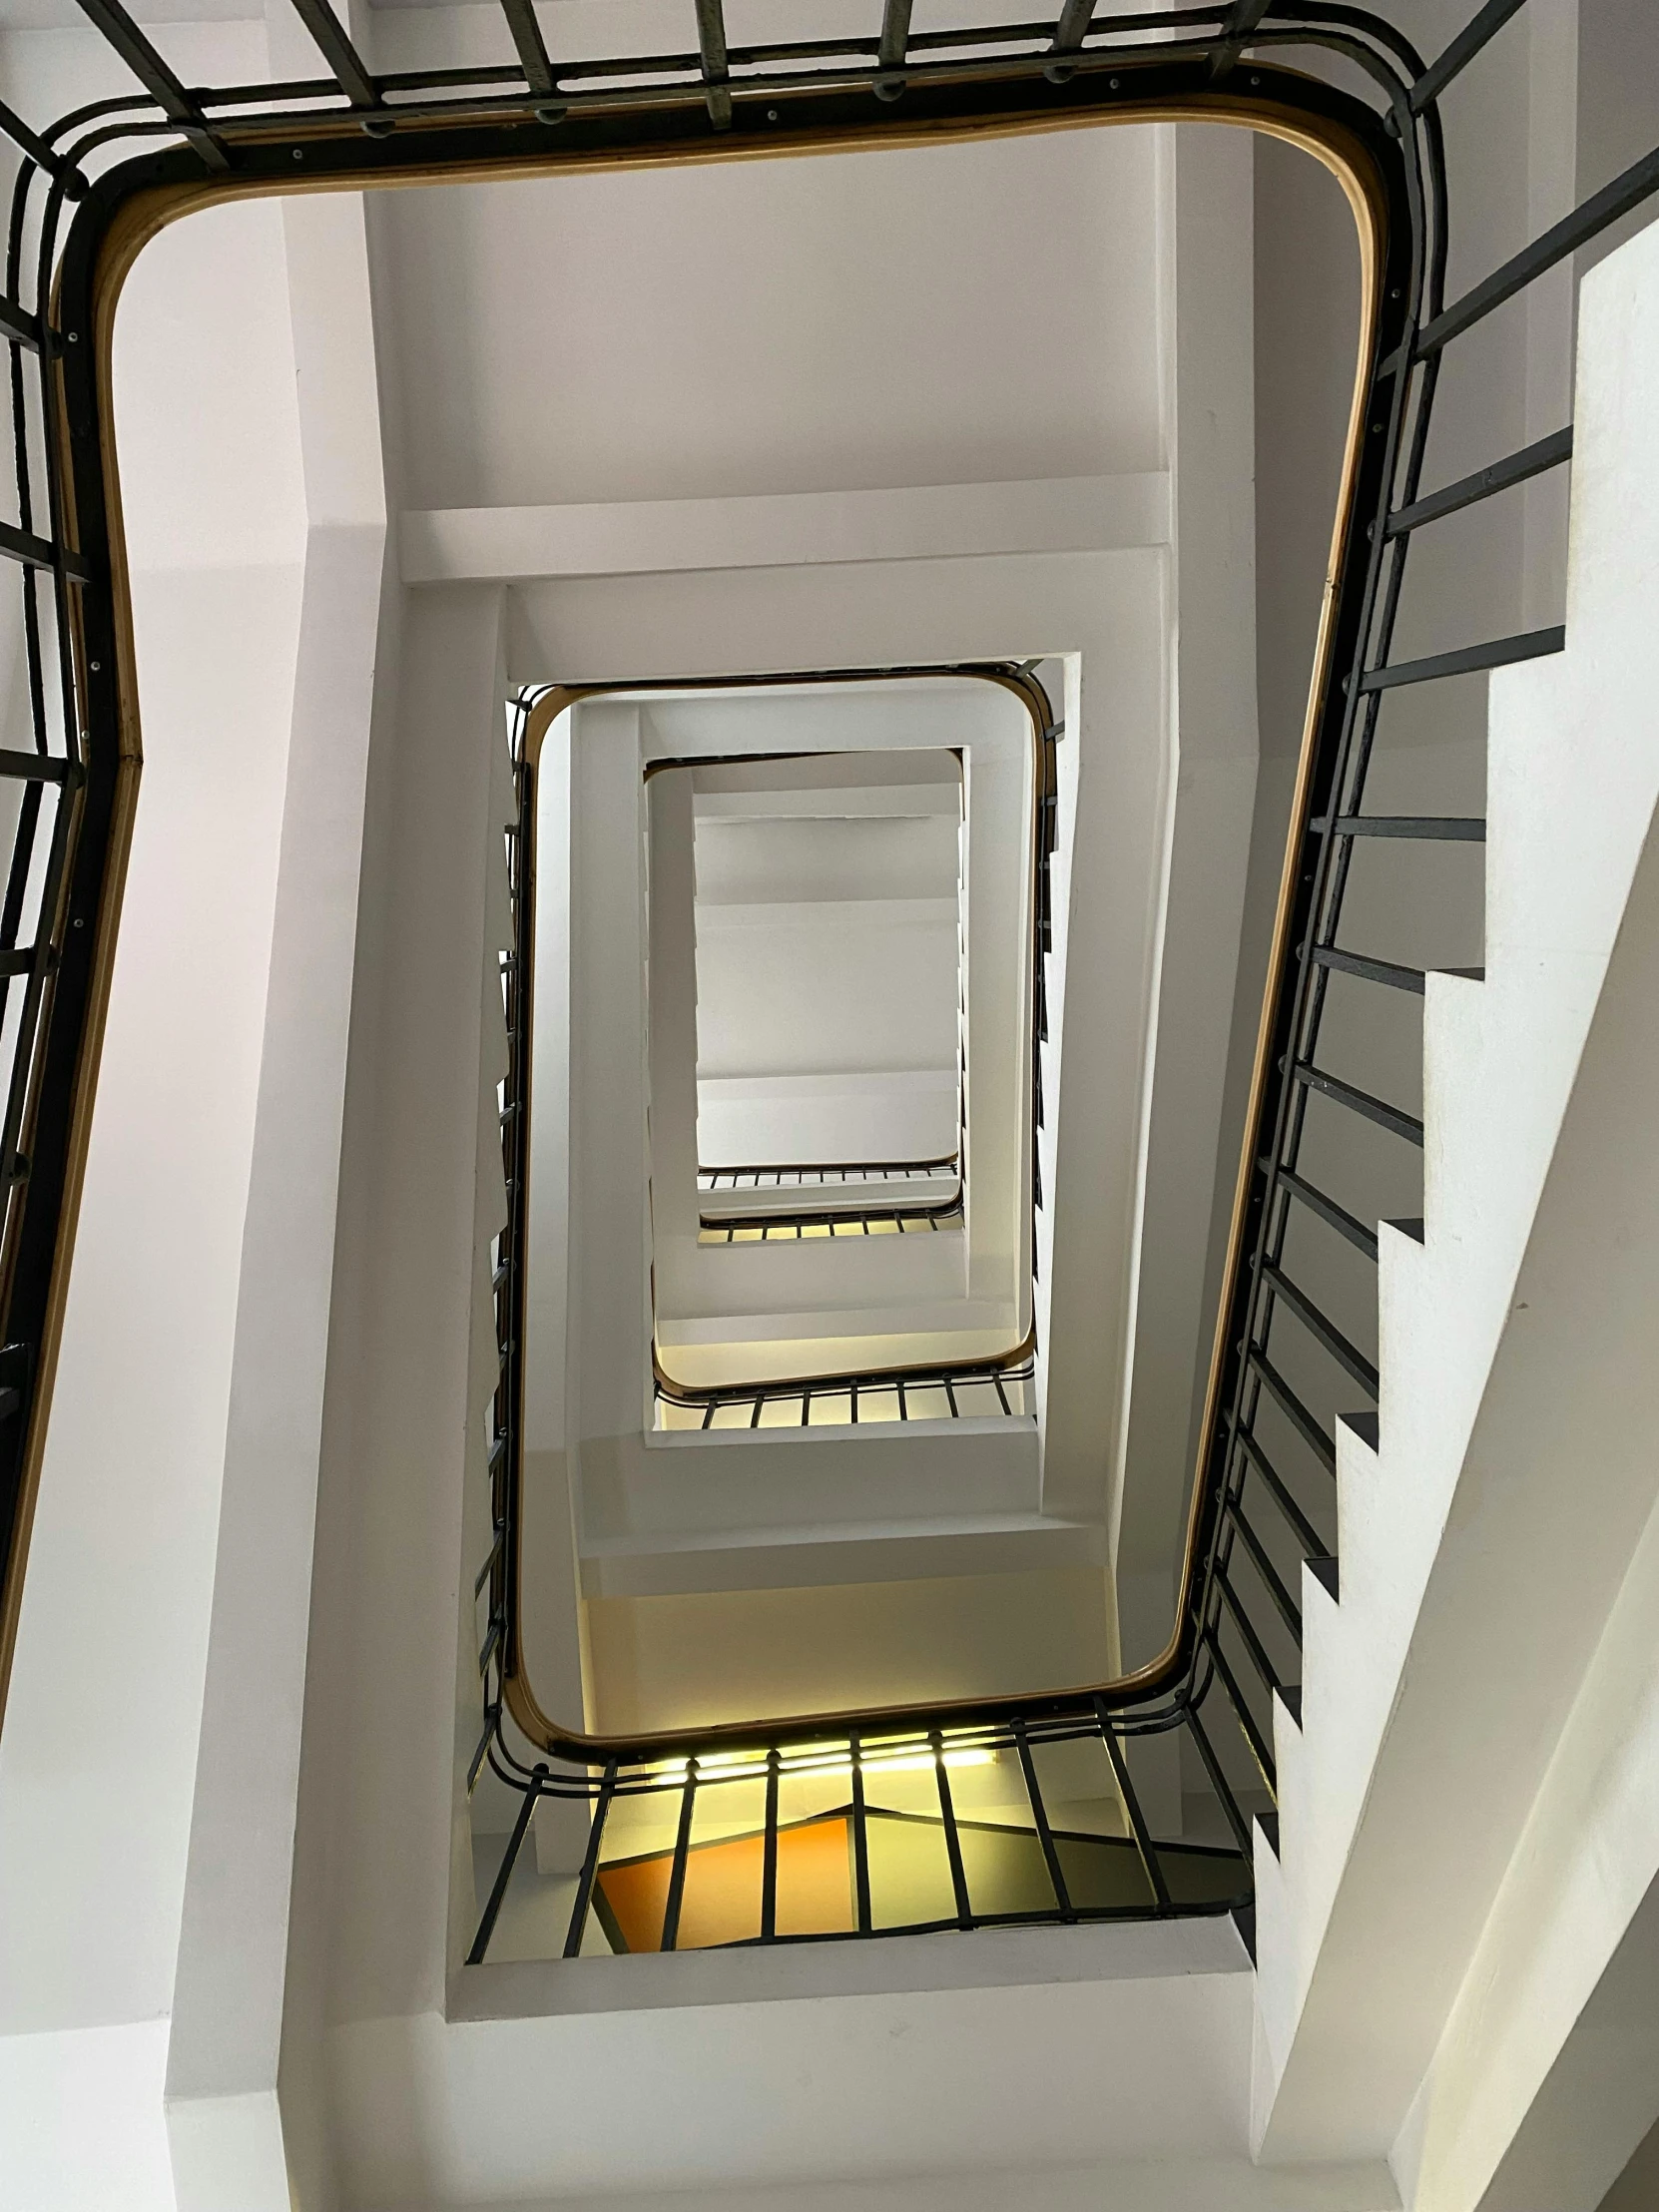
<point>1498,1521</point>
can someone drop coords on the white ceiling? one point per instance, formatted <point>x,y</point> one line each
<point>648,334</point>
<point>828,968</point>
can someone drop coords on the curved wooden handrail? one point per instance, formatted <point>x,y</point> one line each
<point>483,140</point>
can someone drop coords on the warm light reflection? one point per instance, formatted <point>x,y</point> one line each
<point>821,1761</point>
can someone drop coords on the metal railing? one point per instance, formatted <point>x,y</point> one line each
<point>94,185</point>
<point>950,1390</point>
<point>844,1205</point>
<point>856,1221</point>
<point>830,1177</point>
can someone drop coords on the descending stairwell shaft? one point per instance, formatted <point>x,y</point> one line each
<point>994,1384</point>
<point>94,186</point>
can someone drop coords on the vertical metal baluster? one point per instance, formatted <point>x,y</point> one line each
<point>590,1865</point>
<point>904,1408</point>
<point>952,1842</point>
<point>486,1927</point>
<point>860,1838</point>
<point>1224,1789</point>
<point>768,1856</point>
<point>1039,1814</point>
<point>1132,1807</point>
<point>677,1874</point>
<point>895,38</point>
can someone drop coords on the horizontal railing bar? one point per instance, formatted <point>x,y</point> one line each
<point>17,324</point>
<point>1442,828</point>
<point>1334,1216</point>
<point>1323,1446</point>
<point>1307,1534</point>
<point>874,1383</point>
<point>1346,1354</point>
<point>1602,208</point>
<point>1468,660</point>
<point>1518,468</point>
<point>1368,970</point>
<point>39,768</point>
<point>635,97</point>
<point>1359,1102</point>
<point>1477,33</point>
<point>850,1170</point>
<point>38,552</point>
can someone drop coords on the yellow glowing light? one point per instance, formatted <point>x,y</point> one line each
<point>814,1761</point>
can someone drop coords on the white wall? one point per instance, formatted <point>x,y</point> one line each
<point>100,1743</point>
<point>718,297</point>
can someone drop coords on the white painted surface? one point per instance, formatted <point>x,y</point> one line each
<point>1208,406</point>
<point>724,293</point>
<point>741,1481</point>
<point>81,2126</point>
<point>1005,2060</point>
<point>232,1983</point>
<point>1544,2078</point>
<point>390,1924</point>
<point>95,1819</point>
<point>1513,1352</point>
<point>1067,514</point>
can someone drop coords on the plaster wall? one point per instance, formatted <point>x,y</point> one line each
<point>663,1662</point>
<point>116,1610</point>
<point>1508,1365</point>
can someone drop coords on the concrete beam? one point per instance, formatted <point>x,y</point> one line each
<point>1064,514</point>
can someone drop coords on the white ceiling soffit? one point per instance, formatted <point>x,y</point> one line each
<point>1067,514</point>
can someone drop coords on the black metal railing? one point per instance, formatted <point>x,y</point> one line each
<point>88,189</point>
<point>953,1390</point>
<point>950,1390</point>
<point>829,1177</point>
<point>844,1203</point>
<point>855,1221</point>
